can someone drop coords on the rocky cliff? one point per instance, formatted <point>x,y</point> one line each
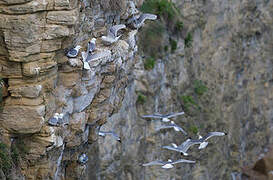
<point>218,69</point>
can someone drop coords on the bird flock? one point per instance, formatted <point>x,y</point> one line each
<point>135,22</point>
<point>183,148</point>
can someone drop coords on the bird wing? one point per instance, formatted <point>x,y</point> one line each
<point>165,127</point>
<point>172,148</point>
<point>115,135</point>
<point>188,143</point>
<point>183,161</point>
<point>152,116</point>
<point>98,55</point>
<point>174,114</point>
<point>145,16</point>
<point>211,134</point>
<point>113,31</point>
<point>154,163</point>
<point>181,129</point>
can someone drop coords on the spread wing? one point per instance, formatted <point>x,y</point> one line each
<point>165,127</point>
<point>181,129</point>
<point>145,16</point>
<point>172,148</point>
<point>152,116</point>
<point>183,161</point>
<point>113,31</point>
<point>154,163</point>
<point>174,114</point>
<point>211,134</point>
<point>187,144</point>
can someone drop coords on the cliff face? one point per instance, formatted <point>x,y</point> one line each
<point>223,81</point>
<point>41,81</point>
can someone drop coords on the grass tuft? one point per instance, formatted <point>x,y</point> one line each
<point>199,87</point>
<point>188,40</point>
<point>173,44</point>
<point>141,98</point>
<point>149,63</point>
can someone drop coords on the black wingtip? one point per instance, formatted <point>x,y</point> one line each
<point>119,140</point>
<point>226,133</point>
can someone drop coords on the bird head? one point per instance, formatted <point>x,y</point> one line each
<point>56,115</point>
<point>174,145</point>
<point>172,122</point>
<point>93,40</point>
<point>119,140</point>
<point>169,160</point>
<point>61,115</point>
<point>78,47</point>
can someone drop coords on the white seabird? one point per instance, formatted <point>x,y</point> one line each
<point>164,117</point>
<point>73,52</point>
<point>83,158</point>
<point>174,126</point>
<point>167,164</point>
<point>112,133</point>
<point>84,61</point>
<point>53,121</point>
<point>204,139</point>
<point>91,45</point>
<point>112,35</point>
<point>138,21</point>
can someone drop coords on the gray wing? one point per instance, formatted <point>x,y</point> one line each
<point>115,135</point>
<point>165,127</point>
<point>187,144</point>
<point>113,31</point>
<point>153,116</point>
<point>98,55</point>
<point>211,134</point>
<point>174,114</point>
<point>145,16</point>
<point>72,52</point>
<point>183,161</point>
<point>172,148</point>
<point>154,163</point>
<point>181,129</point>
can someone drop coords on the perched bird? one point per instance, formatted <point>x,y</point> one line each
<point>73,52</point>
<point>164,117</point>
<point>91,45</point>
<point>112,35</point>
<point>204,139</point>
<point>84,61</point>
<point>53,121</point>
<point>168,164</point>
<point>138,21</point>
<point>60,118</point>
<point>115,136</point>
<point>174,126</point>
<point>83,158</point>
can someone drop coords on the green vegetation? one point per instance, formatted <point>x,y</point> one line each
<point>173,44</point>
<point>5,159</point>
<point>199,87</point>
<point>166,48</point>
<point>141,98</point>
<point>160,7</point>
<point>149,63</point>
<point>179,25</point>
<point>152,39</point>
<point>188,40</point>
<point>193,129</point>
<point>1,89</point>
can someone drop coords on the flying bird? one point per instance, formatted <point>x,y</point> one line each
<point>204,139</point>
<point>112,133</point>
<point>73,52</point>
<point>163,117</point>
<point>167,164</point>
<point>138,21</point>
<point>174,126</point>
<point>112,35</point>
